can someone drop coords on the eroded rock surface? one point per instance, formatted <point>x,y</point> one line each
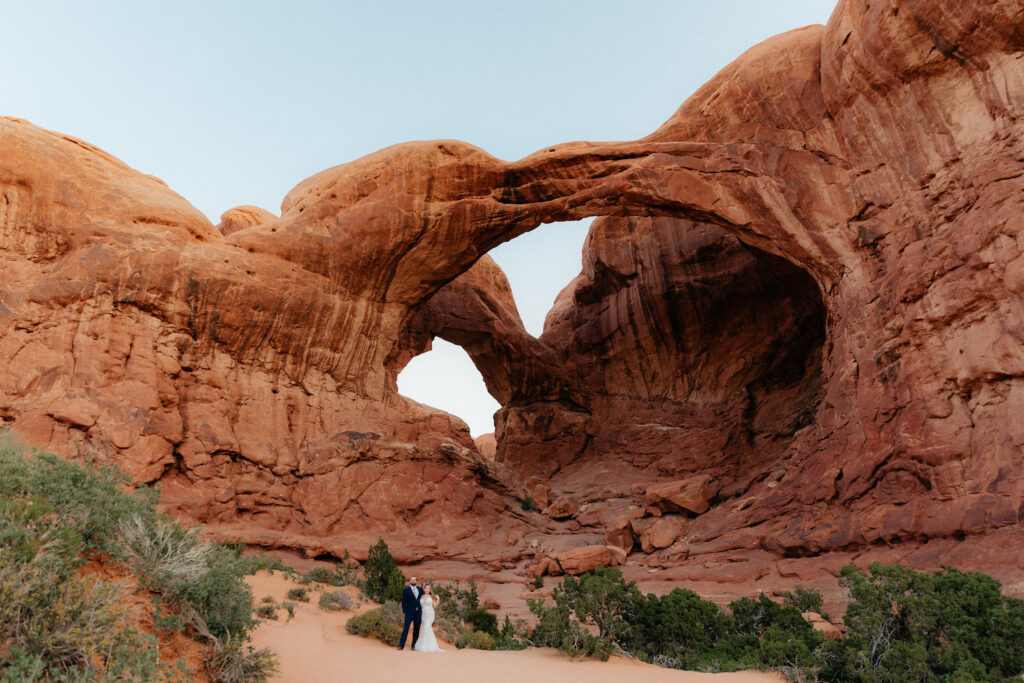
<point>806,286</point>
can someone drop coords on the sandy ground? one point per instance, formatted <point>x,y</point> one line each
<point>313,647</point>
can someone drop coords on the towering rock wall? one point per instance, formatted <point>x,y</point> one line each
<point>807,284</point>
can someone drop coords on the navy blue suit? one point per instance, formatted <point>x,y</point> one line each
<point>413,614</point>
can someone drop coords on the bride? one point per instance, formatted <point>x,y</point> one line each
<point>427,642</point>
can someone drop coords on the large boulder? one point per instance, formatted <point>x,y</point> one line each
<point>822,625</point>
<point>563,507</point>
<point>672,556</point>
<point>580,560</point>
<point>661,534</point>
<point>619,533</point>
<point>691,496</point>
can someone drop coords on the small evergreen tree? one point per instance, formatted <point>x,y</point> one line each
<point>679,626</point>
<point>603,599</point>
<point>383,580</point>
<point>804,599</point>
<point>907,625</point>
<point>485,621</point>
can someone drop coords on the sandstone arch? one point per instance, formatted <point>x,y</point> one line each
<point>254,372</point>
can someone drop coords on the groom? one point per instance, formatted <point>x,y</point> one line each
<point>413,611</point>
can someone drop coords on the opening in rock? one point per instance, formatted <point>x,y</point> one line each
<point>539,265</point>
<point>684,350</point>
<point>446,378</point>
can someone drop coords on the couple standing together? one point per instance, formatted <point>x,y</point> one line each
<point>418,606</point>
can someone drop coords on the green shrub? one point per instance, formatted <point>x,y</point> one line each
<point>475,640</point>
<point>91,513</point>
<point>267,611</point>
<point>62,626</point>
<point>555,628</point>
<point>383,623</point>
<point>602,598</point>
<point>54,516</point>
<point>336,600</point>
<point>90,501</point>
<point>301,594</point>
<point>803,599</point>
<point>678,625</point>
<point>457,603</point>
<point>62,618</point>
<point>250,564</point>
<point>906,625</point>
<point>289,607</point>
<point>383,580</point>
<point>162,552</point>
<point>221,598</point>
<point>538,582</point>
<point>342,574</point>
<point>483,621</point>
<point>679,629</point>
<point>551,625</point>
<point>526,502</point>
<point>765,634</point>
<point>512,635</point>
<point>232,661</point>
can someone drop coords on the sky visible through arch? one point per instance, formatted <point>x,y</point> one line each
<point>234,102</point>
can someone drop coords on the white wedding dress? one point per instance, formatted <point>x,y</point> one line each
<point>427,642</point>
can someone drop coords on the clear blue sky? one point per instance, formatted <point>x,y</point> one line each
<point>235,102</point>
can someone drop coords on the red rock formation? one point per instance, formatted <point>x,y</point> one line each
<point>580,560</point>
<point>808,287</point>
<point>893,144</point>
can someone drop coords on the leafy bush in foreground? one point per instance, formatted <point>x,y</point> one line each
<point>475,640</point>
<point>231,661</point>
<point>484,621</point>
<point>383,623</point>
<point>678,630</point>
<point>222,598</point>
<point>902,625</point>
<point>63,618</point>
<point>603,599</point>
<point>941,626</point>
<point>54,517</point>
<point>90,501</point>
<point>556,628</point>
<point>55,622</point>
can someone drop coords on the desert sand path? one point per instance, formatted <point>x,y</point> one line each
<point>313,647</point>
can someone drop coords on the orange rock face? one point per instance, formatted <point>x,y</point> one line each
<point>806,288</point>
